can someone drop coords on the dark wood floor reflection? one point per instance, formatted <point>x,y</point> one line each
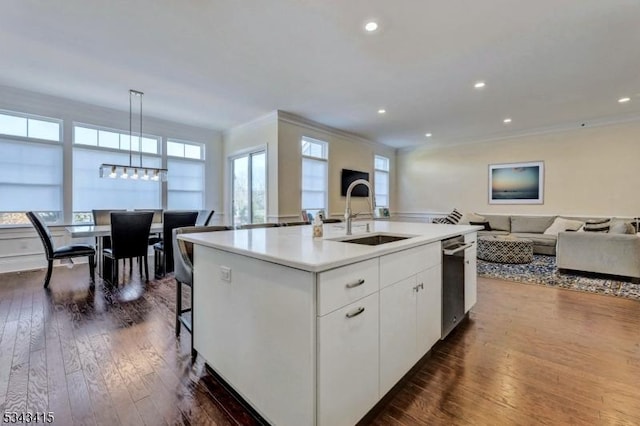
<point>528,355</point>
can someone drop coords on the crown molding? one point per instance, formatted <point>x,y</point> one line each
<point>273,115</point>
<point>298,120</point>
<point>565,127</point>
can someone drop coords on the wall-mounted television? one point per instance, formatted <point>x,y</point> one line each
<point>349,176</point>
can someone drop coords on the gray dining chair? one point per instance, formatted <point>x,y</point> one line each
<point>258,225</point>
<point>183,269</point>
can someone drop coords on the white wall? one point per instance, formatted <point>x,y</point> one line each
<point>20,248</point>
<point>281,133</point>
<point>261,133</point>
<point>346,151</point>
<point>588,171</point>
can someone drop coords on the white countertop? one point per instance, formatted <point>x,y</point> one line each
<point>295,247</point>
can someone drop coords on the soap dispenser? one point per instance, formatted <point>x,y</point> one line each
<point>317,227</point>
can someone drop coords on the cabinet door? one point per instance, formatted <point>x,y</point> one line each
<point>397,331</point>
<point>470,272</point>
<point>429,308</point>
<point>348,362</point>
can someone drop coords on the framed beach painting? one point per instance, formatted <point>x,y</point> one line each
<point>516,183</point>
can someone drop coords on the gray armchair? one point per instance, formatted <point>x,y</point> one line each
<point>183,270</point>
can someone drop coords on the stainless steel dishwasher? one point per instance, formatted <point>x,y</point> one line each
<point>453,258</point>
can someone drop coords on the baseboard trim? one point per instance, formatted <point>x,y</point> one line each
<point>22,263</point>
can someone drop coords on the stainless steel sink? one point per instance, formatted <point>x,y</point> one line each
<point>375,240</point>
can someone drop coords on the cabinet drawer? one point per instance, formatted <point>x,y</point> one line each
<point>341,286</point>
<point>397,266</point>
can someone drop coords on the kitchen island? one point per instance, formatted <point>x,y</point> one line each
<point>315,331</point>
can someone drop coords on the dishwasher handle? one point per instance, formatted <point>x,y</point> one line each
<point>458,249</point>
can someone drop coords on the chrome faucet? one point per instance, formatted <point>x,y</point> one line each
<point>347,211</point>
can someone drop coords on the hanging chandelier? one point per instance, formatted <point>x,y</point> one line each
<point>133,171</point>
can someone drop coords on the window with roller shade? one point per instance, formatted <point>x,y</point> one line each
<point>93,146</point>
<point>315,165</point>
<point>381,181</point>
<point>30,167</point>
<point>185,188</point>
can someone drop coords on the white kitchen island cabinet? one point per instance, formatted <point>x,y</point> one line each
<point>316,331</point>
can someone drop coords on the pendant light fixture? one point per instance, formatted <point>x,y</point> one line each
<point>133,171</point>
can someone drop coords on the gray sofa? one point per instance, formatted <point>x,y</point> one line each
<point>600,252</point>
<point>530,227</point>
<point>615,254</point>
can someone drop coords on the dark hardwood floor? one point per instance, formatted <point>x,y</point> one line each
<point>527,355</point>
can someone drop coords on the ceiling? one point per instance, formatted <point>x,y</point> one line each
<point>221,63</point>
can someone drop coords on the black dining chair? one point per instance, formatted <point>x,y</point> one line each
<point>183,264</point>
<point>129,239</point>
<point>204,217</point>
<point>157,218</point>
<point>63,252</point>
<point>103,217</point>
<point>163,251</point>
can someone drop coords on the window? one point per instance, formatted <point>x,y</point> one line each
<point>94,146</point>
<point>186,170</point>
<point>105,138</point>
<point>381,181</point>
<point>249,188</point>
<point>30,168</point>
<point>314,175</point>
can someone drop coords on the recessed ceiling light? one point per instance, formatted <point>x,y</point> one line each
<point>506,121</point>
<point>623,100</point>
<point>382,111</point>
<point>428,135</point>
<point>479,84</point>
<point>371,26</point>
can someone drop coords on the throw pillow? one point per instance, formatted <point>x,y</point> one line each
<point>597,225</point>
<point>486,224</point>
<point>620,227</point>
<point>440,220</point>
<point>467,218</point>
<point>561,224</point>
<point>454,217</point>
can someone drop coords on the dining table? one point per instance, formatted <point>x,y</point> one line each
<point>99,232</point>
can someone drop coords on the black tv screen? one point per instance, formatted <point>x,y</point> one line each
<point>349,176</point>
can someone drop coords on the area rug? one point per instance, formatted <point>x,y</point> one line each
<point>543,271</point>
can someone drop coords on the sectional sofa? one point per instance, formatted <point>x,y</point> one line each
<point>529,227</point>
<point>616,252</point>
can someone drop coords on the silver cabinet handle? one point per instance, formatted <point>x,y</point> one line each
<point>355,313</point>
<point>421,285</point>
<point>449,252</point>
<point>355,283</point>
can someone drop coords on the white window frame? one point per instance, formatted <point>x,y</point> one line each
<point>249,153</point>
<point>376,184</point>
<point>324,160</point>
